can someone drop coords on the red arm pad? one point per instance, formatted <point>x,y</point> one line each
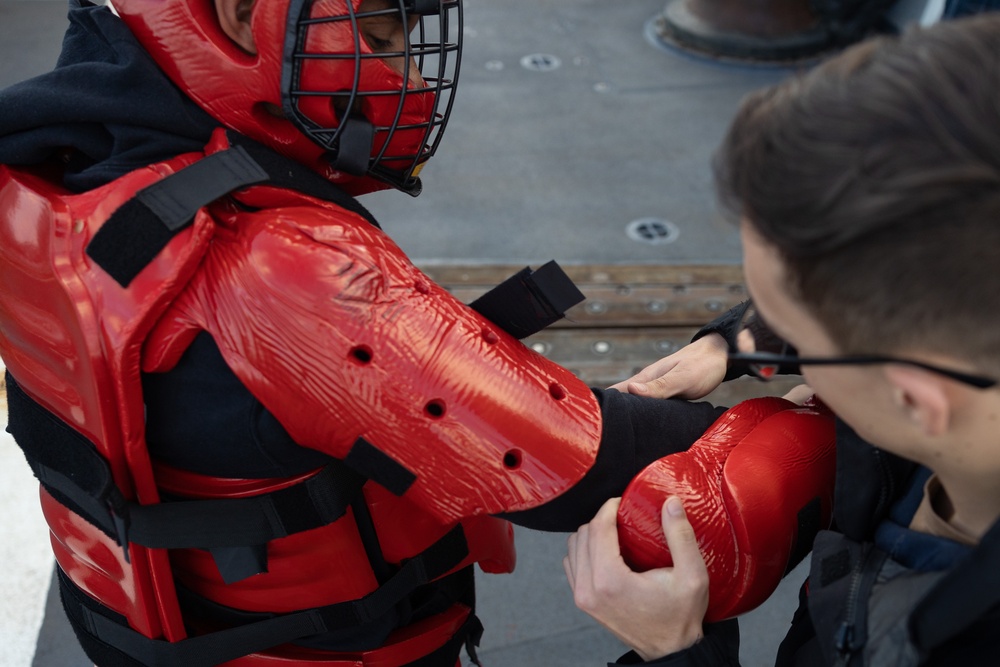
<point>765,468</point>
<point>359,355</point>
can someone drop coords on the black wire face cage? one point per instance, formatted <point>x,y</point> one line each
<point>434,48</point>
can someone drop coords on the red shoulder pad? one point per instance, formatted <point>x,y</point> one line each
<point>360,355</point>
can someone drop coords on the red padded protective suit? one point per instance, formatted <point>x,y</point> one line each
<point>332,328</point>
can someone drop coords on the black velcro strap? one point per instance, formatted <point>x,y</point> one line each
<point>354,146</point>
<point>103,633</point>
<point>430,564</point>
<point>218,647</point>
<point>136,233</point>
<point>527,302</point>
<point>431,599</point>
<point>229,522</point>
<point>377,466</point>
<point>72,469</point>
<point>286,173</point>
<point>141,227</point>
<point>65,462</point>
<point>239,563</point>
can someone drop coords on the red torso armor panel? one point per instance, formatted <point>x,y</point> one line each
<point>355,352</point>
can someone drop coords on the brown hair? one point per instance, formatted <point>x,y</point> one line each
<point>877,178</point>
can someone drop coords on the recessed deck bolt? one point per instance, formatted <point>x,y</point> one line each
<point>540,348</point>
<point>541,62</point>
<point>654,231</point>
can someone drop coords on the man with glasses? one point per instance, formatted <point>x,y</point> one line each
<point>868,194</point>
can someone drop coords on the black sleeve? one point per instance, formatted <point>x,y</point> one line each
<point>719,648</point>
<point>636,431</point>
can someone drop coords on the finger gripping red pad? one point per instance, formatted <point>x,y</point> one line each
<point>745,485</point>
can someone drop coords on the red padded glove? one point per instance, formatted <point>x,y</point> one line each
<point>763,471</point>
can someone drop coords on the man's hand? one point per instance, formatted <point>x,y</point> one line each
<point>800,394</point>
<point>692,372</point>
<point>656,612</point>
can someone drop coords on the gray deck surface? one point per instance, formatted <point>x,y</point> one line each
<point>536,165</point>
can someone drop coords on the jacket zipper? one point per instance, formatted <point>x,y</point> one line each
<point>844,638</point>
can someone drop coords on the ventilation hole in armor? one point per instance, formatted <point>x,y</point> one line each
<point>362,354</point>
<point>435,409</point>
<point>557,391</point>
<point>512,459</point>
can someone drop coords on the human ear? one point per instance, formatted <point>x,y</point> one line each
<point>923,397</point>
<point>234,18</point>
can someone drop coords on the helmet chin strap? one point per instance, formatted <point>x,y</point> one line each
<point>354,146</point>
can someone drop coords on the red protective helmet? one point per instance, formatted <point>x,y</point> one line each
<point>363,119</point>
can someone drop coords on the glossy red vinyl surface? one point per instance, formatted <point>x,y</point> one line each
<point>96,564</point>
<point>71,336</point>
<point>299,573</point>
<point>338,335</point>
<point>236,87</point>
<point>405,529</point>
<point>341,337</point>
<point>310,569</point>
<point>743,484</point>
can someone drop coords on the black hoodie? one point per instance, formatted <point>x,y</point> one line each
<point>106,109</point>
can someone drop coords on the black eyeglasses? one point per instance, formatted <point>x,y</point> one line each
<point>765,365</point>
<point>752,333</point>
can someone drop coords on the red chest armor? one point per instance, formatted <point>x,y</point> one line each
<point>328,324</point>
